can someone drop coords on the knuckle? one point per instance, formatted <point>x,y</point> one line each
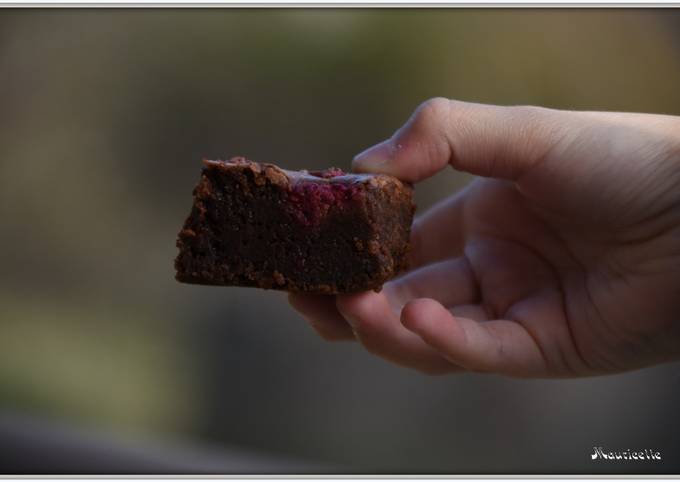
<point>434,111</point>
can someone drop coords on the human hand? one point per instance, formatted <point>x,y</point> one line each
<point>561,259</point>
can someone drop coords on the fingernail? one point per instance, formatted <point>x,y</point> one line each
<point>374,156</point>
<point>349,319</point>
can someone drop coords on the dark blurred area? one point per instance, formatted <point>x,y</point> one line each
<point>104,118</point>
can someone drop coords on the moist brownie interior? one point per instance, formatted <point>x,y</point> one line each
<point>317,232</point>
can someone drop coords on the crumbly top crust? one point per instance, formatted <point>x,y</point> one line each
<point>284,177</point>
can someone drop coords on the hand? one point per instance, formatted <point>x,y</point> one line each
<point>561,259</point>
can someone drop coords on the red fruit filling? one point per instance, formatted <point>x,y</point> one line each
<point>310,202</point>
<point>328,173</point>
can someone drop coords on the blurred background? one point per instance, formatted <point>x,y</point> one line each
<point>104,118</point>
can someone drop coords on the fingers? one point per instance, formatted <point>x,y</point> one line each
<point>499,346</point>
<point>472,312</point>
<point>485,140</point>
<point>417,150</point>
<point>378,328</point>
<point>322,315</point>
<point>439,233</point>
<point>449,282</point>
<point>428,337</point>
<point>374,324</point>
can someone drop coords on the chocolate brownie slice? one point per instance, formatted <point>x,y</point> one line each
<point>326,231</point>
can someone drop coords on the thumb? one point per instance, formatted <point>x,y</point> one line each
<point>484,140</point>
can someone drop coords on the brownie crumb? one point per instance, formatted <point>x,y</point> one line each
<point>255,224</point>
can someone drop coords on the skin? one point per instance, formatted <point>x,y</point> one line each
<point>561,259</point>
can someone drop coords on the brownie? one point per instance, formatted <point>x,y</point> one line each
<point>255,224</point>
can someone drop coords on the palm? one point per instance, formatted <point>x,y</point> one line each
<point>558,283</point>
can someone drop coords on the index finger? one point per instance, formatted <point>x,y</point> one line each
<point>484,140</point>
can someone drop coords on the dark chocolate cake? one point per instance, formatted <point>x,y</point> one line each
<point>255,224</point>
